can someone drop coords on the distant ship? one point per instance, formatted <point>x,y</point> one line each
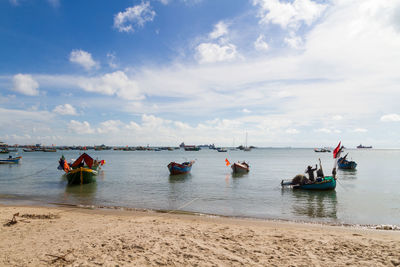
<point>361,146</point>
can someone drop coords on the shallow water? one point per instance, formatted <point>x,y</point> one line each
<point>140,179</point>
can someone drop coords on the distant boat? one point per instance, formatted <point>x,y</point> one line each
<point>10,160</point>
<point>176,168</point>
<point>361,146</point>
<point>28,150</point>
<point>240,167</point>
<point>81,171</point>
<point>321,150</point>
<point>4,151</point>
<point>191,148</point>
<point>345,164</point>
<point>322,183</point>
<point>221,149</point>
<point>12,149</point>
<point>49,150</point>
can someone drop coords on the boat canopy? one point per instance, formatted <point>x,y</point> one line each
<point>83,158</point>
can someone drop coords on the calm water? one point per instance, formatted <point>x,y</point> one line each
<point>140,179</point>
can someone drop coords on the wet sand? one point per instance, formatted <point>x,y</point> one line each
<point>83,237</point>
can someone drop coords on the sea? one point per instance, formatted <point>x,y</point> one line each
<point>369,195</point>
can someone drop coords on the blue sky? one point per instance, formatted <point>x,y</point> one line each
<point>290,73</point>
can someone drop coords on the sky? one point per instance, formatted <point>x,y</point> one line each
<point>297,73</point>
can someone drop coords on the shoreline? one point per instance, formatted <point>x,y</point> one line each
<point>38,204</point>
<point>91,237</point>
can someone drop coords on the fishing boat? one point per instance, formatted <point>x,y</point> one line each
<point>345,164</point>
<point>321,183</point>
<point>49,150</point>
<point>176,168</point>
<point>81,171</point>
<point>220,149</point>
<point>240,167</point>
<point>10,160</point>
<point>321,150</point>
<point>192,148</point>
<point>361,146</point>
<point>28,150</point>
<point>4,151</point>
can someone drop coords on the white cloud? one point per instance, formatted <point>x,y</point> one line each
<point>359,130</point>
<point>390,117</point>
<point>164,2</point>
<point>25,84</point>
<point>83,58</point>
<point>111,60</point>
<point>289,14</point>
<point>220,29</point>
<point>260,44</point>
<point>323,130</point>
<point>110,126</point>
<point>134,17</point>
<point>115,83</point>
<point>245,110</point>
<point>65,109</point>
<point>80,127</point>
<point>337,117</point>
<point>294,41</point>
<point>292,131</point>
<point>211,53</point>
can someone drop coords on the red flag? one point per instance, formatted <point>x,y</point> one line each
<point>336,151</point>
<point>227,162</point>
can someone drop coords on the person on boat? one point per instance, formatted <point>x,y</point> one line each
<point>310,172</point>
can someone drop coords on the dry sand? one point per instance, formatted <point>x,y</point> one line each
<point>82,237</point>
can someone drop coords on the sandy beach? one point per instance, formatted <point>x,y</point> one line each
<point>92,237</point>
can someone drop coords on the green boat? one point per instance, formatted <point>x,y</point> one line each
<point>324,183</point>
<point>81,171</point>
<point>81,175</point>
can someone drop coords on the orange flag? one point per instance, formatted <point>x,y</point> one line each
<point>227,162</point>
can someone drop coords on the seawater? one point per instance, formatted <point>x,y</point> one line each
<point>140,179</point>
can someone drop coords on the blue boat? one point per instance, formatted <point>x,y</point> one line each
<point>324,183</point>
<point>345,164</point>
<point>176,168</point>
<point>10,160</point>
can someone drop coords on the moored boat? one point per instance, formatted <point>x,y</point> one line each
<point>81,171</point>
<point>10,160</point>
<point>192,148</point>
<point>361,146</point>
<point>321,150</point>
<point>240,167</point>
<point>177,168</point>
<point>220,149</point>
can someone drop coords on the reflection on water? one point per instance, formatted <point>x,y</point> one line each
<point>180,178</point>
<point>347,174</point>
<point>239,175</point>
<point>80,194</point>
<point>313,204</point>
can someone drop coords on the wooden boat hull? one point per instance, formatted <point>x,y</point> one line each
<point>327,183</point>
<point>176,168</point>
<point>81,175</point>
<point>239,168</point>
<point>10,161</point>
